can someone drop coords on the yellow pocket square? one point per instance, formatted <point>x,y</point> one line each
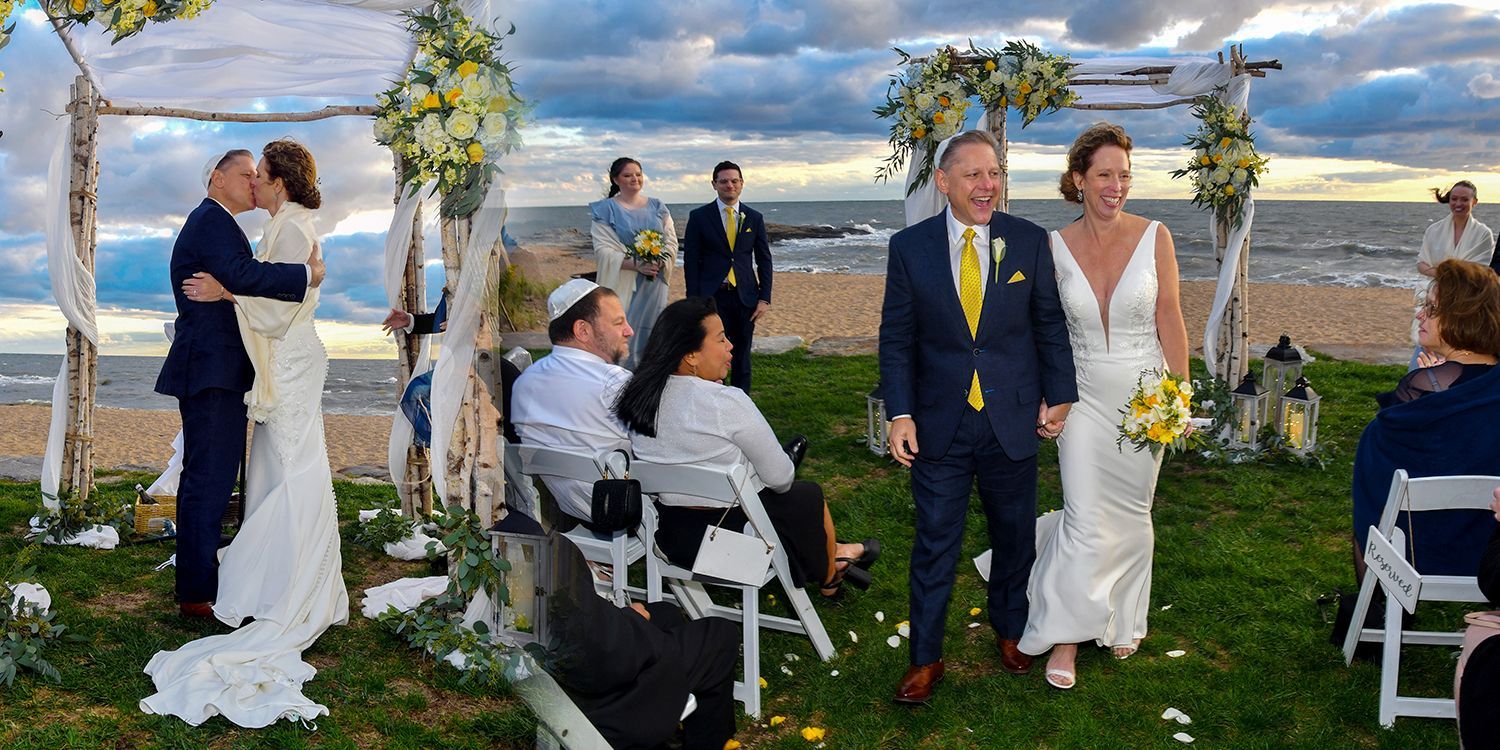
<point>1018,276</point>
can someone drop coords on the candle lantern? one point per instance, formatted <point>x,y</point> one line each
<point>524,619</point>
<point>1299,420</point>
<point>876,428</point>
<point>1250,403</point>
<point>1282,365</point>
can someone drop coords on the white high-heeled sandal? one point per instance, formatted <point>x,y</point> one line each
<point>1061,674</point>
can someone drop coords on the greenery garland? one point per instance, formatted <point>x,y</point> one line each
<point>72,517</point>
<point>929,101</point>
<point>125,18</point>
<point>26,630</point>
<point>1224,165</point>
<point>456,111</point>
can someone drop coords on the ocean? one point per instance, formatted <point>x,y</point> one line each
<point>1351,244</point>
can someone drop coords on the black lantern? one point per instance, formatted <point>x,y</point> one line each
<point>1250,403</point>
<point>1282,366</point>
<point>1299,420</point>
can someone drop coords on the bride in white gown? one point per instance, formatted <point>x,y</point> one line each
<point>283,568</point>
<point>1117,275</point>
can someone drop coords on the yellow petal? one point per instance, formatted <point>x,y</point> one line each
<point>731,744</point>
<point>812,734</point>
<point>776,720</point>
<point>763,683</point>
<point>973,611</point>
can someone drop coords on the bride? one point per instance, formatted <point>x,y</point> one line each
<point>282,576</point>
<point>1117,275</point>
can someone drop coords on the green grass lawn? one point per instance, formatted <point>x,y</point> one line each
<point>1242,555</point>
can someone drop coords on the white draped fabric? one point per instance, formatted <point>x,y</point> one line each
<point>1191,77</point>
<point>397,248</point>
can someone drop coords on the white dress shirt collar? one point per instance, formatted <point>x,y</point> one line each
<point>956,246</point>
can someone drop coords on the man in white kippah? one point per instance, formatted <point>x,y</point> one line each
<point>566,399</point>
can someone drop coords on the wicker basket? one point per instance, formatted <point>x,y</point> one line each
<point>151,518</point>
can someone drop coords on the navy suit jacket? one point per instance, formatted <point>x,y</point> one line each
<point>706,258</point>
<point>206,348</point>
<point>928,357</point>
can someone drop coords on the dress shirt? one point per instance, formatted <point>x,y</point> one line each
<point>703,423</point>
<point>566,400</point>
<point>956,250</point>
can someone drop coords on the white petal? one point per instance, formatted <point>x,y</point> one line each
<point>973,625</point>
<point>904,630</point>
<point>792,657</point>
<point>1166,607</point>
<point>1184,719</point>
<point>879,617</point>
<point>834,673</point>
<point>1183,737</point>
<point>853,636</point>
<point>894,641</point>
<point>786,671</point>
<point>1170,713</point>
<point>1176,652</point>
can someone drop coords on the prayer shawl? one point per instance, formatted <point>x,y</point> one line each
<point>289,238</point>
<point>1476,244</point>
<point>1447,433</point>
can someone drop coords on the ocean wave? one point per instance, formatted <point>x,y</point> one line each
<point>1350,279</point>
<point>6,380</point>
<point>817,269</point>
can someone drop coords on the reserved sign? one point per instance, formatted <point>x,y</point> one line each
<point>1387,561</point>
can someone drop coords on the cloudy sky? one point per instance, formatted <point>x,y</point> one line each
<point>1379,99</point>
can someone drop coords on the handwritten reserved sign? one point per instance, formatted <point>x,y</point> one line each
<point>1397,576</point>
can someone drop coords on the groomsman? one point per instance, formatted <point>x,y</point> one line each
<point>975,364</point>
<point>726,256</point>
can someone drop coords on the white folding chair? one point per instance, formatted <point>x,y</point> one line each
<point>1417,496</point>
<point>723,488</point>
<point>560,723</point>
<point>618,549</point>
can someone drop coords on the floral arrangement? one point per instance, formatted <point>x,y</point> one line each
<point>457,110</point>
<point>930,99</point>
<point>1224,166</point>
<point>1159,413</point>
<point>648,247</point>
<point>125,17</point>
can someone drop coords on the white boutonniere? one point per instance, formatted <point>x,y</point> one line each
<point>997,251</point>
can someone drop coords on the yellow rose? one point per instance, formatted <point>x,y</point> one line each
<point>1229,190</point>
<point>937,118</point>
<point>989,65</point>
<point>1204,160</point>
<point>1019,101</point>
<point>813,734</point>
<point>475,152</point>
<point>431,101</point>
<point>1225,141</point>
<point>944,101</point>
<point>79,5</point>
<point>1242,163</point>
<point>1025,87</point>
<point>453,96</point>
<point>1218,158</point>
<point>467,68</point>
<point>149,8</point>
<point>919,133</point>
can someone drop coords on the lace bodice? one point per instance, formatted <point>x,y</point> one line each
<point>299,365</point>
<point>1132,336</point>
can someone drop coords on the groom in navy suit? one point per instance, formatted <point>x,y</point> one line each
<point>207,369</point>
<point>726,256</point>
<point>975,364</point>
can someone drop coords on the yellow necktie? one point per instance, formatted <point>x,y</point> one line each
<point>971,295</point>
<point>731,230</point>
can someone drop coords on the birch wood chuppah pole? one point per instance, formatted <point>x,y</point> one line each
<point>83,356</point>
<point>414,485</point>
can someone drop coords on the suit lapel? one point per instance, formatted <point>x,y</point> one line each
<point>996,285</point>
<point>941,273</point>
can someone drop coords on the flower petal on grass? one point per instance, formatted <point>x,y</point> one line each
<point>1166,607</point>
<point>1176,652</point>
<point>1183,737</point>
<point>879,617</point>
<point>834,673</point>
<point>813,734</point>
<point>786,671</point>
<point>1170,713</point>
<point>777,720</point>
<point>904,629</point>
<point>853,636</point>
<point>974,611</point>
<point>894,641</point>
<point>973,625</point>
<point>763,683</point>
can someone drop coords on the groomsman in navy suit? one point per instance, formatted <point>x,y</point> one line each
<point>975,364</point>
<point>207,369</point>
<point>726,256</point>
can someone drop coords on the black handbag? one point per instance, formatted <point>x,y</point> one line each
<point>616,503</point>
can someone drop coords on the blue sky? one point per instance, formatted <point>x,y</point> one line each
<point>1379,99</point>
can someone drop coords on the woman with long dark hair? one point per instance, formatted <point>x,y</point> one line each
<point>617,221</point>
<point>680,412</point>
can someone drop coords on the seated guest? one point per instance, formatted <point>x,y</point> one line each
<point>630,670</point>
<point>564,399</point>
<point>1477,682</point>
<point>680,412</point>
<point>1439,421</point>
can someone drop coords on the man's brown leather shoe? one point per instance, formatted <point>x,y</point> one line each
<point>916,687</point>
<point>1011,658</point>
<point>196,609</point>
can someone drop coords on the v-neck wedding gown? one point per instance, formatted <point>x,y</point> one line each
<point>1092,577</point>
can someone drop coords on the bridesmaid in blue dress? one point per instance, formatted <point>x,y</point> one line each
<point>616,220</point>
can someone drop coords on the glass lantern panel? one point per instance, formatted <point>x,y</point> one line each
<point>1295,424</point>
<point>521,581</point>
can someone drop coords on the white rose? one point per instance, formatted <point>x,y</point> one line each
<point>384,131</point>
<point>478,88</point>
<point>462,125</point>
<point>494,125</point>
<point>924,100</point>
<point>419,92</point>
<point>1220,176</point>
<point>1240,176</point>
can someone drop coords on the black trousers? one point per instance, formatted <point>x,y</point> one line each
<point>707,649</point>
<point>213,444</point>
<point>740,330</point>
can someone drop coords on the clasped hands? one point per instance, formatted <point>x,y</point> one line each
<point>902,436</point>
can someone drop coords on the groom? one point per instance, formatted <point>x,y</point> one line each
<point>207,369</point>
<point>975,364</point>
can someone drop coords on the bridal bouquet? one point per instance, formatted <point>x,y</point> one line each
<point>648,247</point>
<point>125,17</point>
<point>1159,413</point>
<point>456,111</point>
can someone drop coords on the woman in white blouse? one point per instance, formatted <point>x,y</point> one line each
<point>1458,236</point>
<point>680,412</point>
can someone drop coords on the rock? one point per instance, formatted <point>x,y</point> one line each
<point>779,232</point>
<point>370,480</point>
<point>21,468</point>
<point>775,344</point>
<point>366,470</point>
<point>842,346</point>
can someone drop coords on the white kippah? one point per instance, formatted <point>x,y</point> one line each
<point>208,170</point>
<point>564,297</point>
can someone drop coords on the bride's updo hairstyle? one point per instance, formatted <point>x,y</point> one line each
<point>1081,155</point>
<point>291,162</point>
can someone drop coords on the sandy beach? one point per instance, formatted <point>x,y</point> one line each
<point>1363,324</point>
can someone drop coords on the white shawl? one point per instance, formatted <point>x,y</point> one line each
<point>610,253</point>
<point>289,238</point>
<point>1476,244</point>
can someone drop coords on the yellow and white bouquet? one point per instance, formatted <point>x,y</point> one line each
<point>928,102</point>
<point>125,17</point>
<point>1224,165</point>
<point>648,247</point>
<point>1159,413</point>
<point>457,110</point>
<point>1020,75</point>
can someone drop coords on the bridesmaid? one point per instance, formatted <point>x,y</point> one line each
<point>616,220</point>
